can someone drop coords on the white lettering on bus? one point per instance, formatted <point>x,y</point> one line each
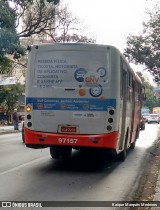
<point>67,140</point>
<point>51,61</point>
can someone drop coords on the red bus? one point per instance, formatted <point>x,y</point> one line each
<point>81,96</point>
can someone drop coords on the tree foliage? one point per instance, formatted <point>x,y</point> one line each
<point>9,41</point>
<point>145,48</point>
<point>9,96</point>
<point>67,28</point>
<point>37,19</point>
<point>10,17</point>
<point>151,100</point>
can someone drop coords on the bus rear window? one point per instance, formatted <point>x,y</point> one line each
<point>70,68</point>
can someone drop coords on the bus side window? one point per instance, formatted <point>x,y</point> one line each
<point>129,84</point>
<point>121,78</point>
<point>124,80</point>
<point>137,93</point>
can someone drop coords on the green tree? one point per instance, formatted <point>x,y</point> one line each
<point>10,17</point>
<point>60,26</point>
<point>67,28</point>
<point>145,48</point>
<point>9,95</point>
<point>37,18</point>
<point>9,41</point>
<point>151,100</point>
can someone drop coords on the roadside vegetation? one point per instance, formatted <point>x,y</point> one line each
<point>144,48</point>
<point>24,22</point>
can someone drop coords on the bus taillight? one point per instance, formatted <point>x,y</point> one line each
<point>28,108</point>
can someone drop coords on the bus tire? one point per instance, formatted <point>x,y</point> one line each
<point>55,152</point>
<point>122,155</point>
<point>133,144</point>
<point>63,153</point>
<point>66,153</point>
<point>143,127</point>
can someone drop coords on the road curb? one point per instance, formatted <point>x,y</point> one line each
<point>156,196</point>
<point>157,192</point>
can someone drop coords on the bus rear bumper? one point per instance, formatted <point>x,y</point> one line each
<point>36,139</point>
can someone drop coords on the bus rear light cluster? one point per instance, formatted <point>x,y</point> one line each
<point>28,108</point>
<point>110,119</point>
<point>109,128</point>
<point>111,112</point>
<point>28,116</point>
<point>29,124</point>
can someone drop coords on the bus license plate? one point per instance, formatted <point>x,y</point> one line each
<point>68,129</point>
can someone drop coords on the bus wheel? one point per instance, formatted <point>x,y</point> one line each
<point>133,144</point>
<point>66,153</point>
<point>122,155</point>
<point>60,152</point>
<point>55,152</point>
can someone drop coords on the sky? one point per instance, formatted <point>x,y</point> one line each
<point>110,21</point>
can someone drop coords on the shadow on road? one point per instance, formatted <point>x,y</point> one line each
<point>83,162</point>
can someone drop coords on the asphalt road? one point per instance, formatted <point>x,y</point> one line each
<point>32,175</point>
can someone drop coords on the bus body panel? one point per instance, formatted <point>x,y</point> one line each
<point>78,79</point>
<point>49,139</point>
<point>79,118</point>
<point>86,92</point>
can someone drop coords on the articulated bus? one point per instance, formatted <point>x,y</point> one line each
<point>81,96</point>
